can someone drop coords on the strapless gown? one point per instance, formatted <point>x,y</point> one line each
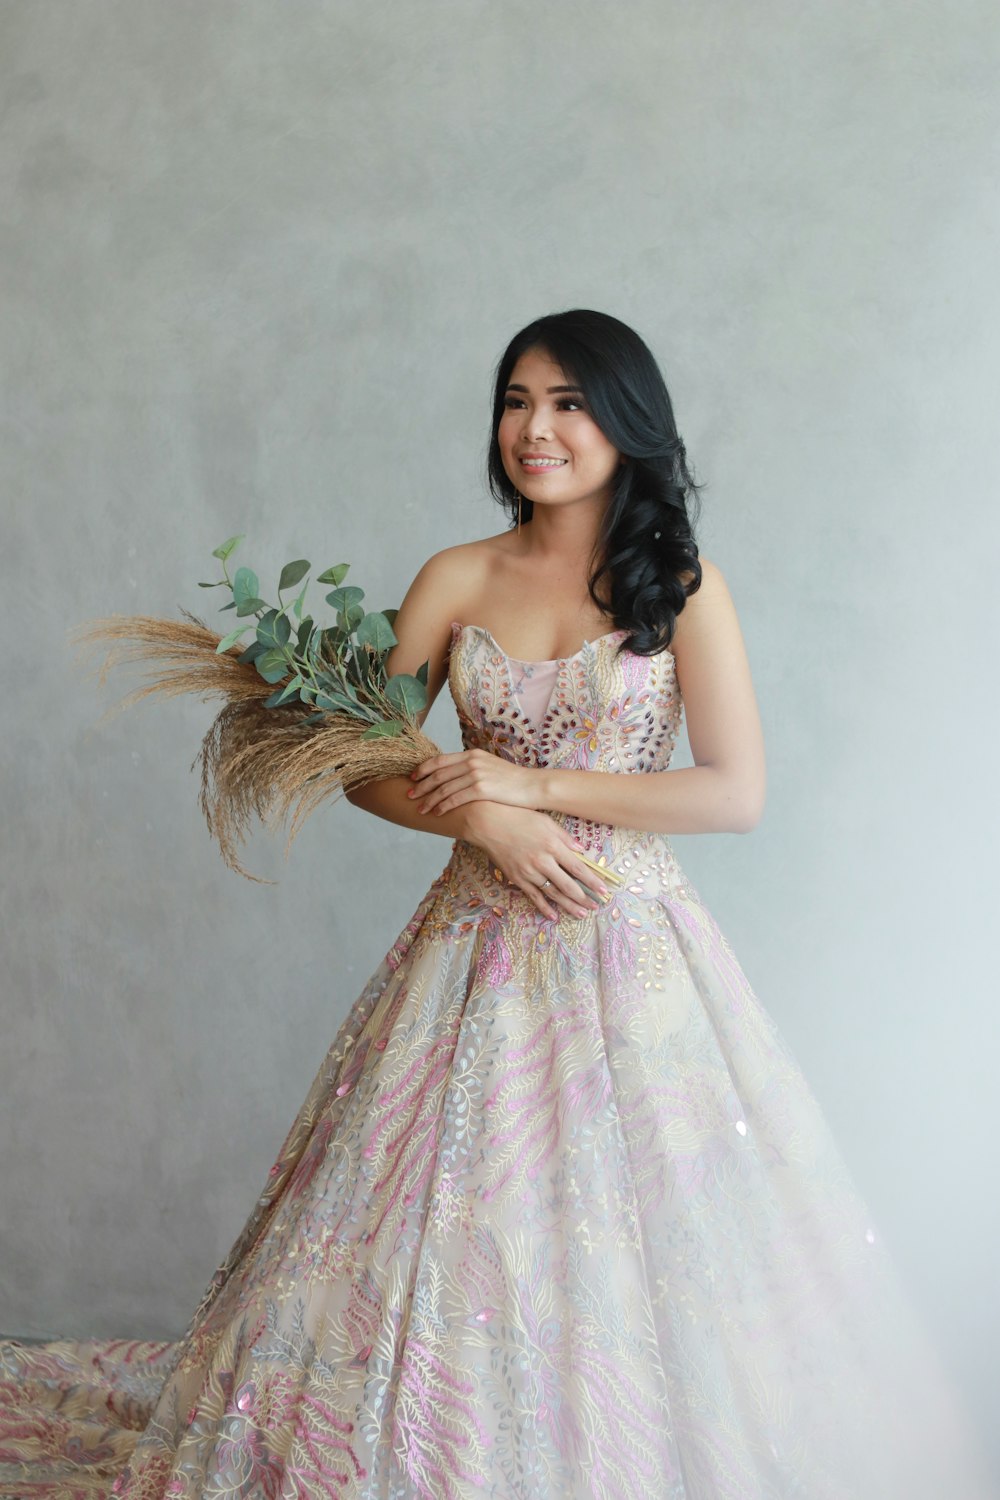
<point>558,1218</point>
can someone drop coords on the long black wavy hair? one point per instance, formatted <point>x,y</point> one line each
<point>646,541</point>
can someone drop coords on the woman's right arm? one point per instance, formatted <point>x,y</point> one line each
<point>423,634</point>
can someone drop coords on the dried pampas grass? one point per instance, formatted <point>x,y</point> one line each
<point>256,763</point>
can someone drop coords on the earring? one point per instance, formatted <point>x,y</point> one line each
<point>517,493</point>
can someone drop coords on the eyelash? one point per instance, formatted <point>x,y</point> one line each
<point>563,400</point>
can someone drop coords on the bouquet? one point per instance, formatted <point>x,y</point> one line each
<point>310,710</point>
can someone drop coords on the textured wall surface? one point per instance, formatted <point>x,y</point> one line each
<point>258,263</point>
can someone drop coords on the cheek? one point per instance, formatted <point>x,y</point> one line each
<point>507,452</point>
<point>604,455</point>
<point>505,432</point>
<point>593,445</point>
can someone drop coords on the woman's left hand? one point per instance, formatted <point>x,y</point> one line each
<point>446,781</point>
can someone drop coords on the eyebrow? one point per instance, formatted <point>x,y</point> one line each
<point>551,390</point>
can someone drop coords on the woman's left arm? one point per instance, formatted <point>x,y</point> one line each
<point>723,792</point>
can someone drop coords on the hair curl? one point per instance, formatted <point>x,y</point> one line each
<point>646,543</point>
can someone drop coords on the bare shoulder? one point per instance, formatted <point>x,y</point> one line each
<point>439,594</point>
<point>455,574</point>
<point>711,577</point>
<point>707,631</point>
<point>710,603</point>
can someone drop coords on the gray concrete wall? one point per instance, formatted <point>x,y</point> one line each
<point>258,261</point>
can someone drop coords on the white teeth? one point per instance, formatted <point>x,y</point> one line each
<point>543,463</point>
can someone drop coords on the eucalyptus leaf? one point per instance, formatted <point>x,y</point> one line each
<point>406,693</point>
<point>272,665</point>
<point>274,629</point>
<point>349,619</point>
<point>230,605</point>
<point>422,673</point>
<point>246,585</point>
<point>300,601</point>
<point>227,547</point>
<point>375,631</point>
<point>337,703</point>
<point>385,729</point>
<point>302,635</point>
<point>330,684</point>
<point>230,639</point>
<point>390,615</point>
<point>284,694</point>
<point>252,652</point>
<point>343,599</point>
<point>334,575</point>
<point>247,606</point>
<point>313,648</point>
<point>217,585</point>
<point>293,573</point>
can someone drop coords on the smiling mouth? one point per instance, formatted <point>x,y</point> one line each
<point>540,464</point>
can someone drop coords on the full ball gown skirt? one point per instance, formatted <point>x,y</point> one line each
<point>559,1217</point>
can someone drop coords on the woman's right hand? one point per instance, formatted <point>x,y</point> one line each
<point>536,854</point>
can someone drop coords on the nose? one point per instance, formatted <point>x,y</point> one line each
<point>536,426</point>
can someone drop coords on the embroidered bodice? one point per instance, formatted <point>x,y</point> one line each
<point>598,710</point>
<point>595,711</point>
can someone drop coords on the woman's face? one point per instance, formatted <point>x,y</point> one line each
<point>543,421</point>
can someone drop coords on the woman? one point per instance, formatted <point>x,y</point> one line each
<point>559,1215</point>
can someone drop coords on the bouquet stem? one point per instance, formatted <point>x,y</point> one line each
<point>605,871</point>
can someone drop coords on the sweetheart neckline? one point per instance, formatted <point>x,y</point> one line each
<point>534,730</point>
<point>549,661</point>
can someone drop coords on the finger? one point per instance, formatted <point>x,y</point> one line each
<point>435,781</point>
<point>435,763</point>
<point>568,895</point>
<point>535,893</point>
<point>595,886</point>
<point>445,795</point>
<point>426,779</point>
<point>557,888</point>
<point>423,769</point>
<point>457,799</point>
<point>578,891</point>
<point>548,912</point>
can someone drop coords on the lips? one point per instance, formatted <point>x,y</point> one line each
<point>539,464</point>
